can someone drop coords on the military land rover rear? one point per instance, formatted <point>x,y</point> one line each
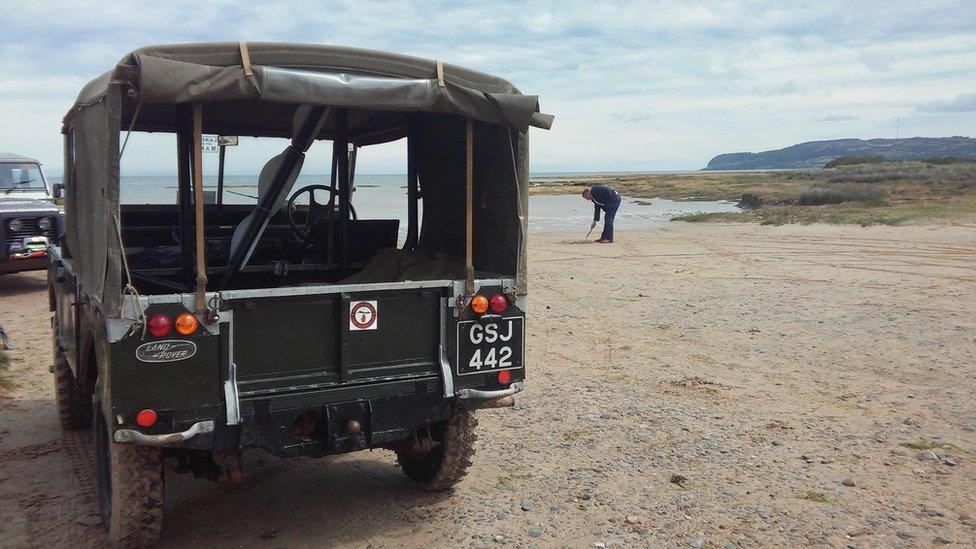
<point>186,333</point>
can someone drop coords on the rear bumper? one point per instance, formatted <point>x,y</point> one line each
<point>382,418</point>
<point>340,427</point>
<point>11,265</point>
<point>130,435</point>
<point>490,395</point>
<point>386,413</point>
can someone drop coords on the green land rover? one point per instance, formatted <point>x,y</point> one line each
<point>186,333</point>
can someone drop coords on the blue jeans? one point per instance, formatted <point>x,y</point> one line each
<point>609,212</point>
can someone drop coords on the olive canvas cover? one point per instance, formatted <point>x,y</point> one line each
<point>384,95</point>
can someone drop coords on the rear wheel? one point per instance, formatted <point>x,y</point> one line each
<point>130,489</point>
<point>74,407</point>
<point>446,463</point>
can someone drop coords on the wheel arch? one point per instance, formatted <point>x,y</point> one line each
<point>94,356</point>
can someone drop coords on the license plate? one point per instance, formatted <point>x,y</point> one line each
<point>496,345</point>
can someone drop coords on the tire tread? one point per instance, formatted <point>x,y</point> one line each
<point>74,409</point>
<point>137,491</point>
<point>445,466</point>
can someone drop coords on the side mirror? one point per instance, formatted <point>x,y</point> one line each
<point>227,140</point>
<point>58,190</point>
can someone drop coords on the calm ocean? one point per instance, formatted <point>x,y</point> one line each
<point>384,196</point>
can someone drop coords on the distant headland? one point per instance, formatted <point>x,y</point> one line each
<point>814,154</point>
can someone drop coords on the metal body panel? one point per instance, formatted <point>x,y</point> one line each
<point>277,340</point>
<point>405,341</point>
<point>65,288</point>
<point>188,387</point>
<point>295,343</point>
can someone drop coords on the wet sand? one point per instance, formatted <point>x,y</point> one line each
<point>811,385</point>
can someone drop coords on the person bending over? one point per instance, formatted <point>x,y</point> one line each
<point>607,199</point>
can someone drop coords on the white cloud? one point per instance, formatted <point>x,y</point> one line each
<point>635,85</point>
<point>836,118</point>
<point>964,102</point>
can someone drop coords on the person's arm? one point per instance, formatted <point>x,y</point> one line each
<point>596,212</point>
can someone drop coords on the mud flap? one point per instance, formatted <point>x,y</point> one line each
<point>232,402</point>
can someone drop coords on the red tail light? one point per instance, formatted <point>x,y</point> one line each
<point>160,325</point>
<point>498,303</point>
<point>504,377</point>
<point>146,418</point>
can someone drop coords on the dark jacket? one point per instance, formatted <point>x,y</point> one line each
<point>603,197</point>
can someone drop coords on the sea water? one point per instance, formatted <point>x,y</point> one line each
<point>384,196</point>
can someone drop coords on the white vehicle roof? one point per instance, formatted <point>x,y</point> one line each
<point>11,157</point>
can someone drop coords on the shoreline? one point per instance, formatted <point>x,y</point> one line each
<point>896,193</point>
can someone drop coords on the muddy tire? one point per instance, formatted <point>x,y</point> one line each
<point>74,407</point>
<point>129,479</point>
<point>447,463</point>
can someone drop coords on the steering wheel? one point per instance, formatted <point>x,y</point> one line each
<point>316,210</point>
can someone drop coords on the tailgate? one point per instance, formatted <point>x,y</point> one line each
<point>290,343</point>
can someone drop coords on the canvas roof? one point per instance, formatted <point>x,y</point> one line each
<point>379,89</point>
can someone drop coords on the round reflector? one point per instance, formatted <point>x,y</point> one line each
<point>159,325</point>
<point>479,304</point>
<point>504,377</point>
<point>186,324</point>
<point>146,418</point>
<point>498,303</point>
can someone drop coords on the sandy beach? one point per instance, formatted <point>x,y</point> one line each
<point>707,385</point>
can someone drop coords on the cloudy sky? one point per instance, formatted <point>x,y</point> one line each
<point>634,86</point>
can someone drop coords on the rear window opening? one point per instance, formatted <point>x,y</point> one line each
<point>297,248</point>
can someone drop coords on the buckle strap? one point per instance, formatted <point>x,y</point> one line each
<point>245,58</point>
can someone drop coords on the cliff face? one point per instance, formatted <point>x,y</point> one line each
<point>814,154</point>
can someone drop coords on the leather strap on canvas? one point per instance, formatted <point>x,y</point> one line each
<point>469,210</point>
<point>245,59</point>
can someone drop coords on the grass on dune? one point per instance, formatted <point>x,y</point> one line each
<point>839,193</point>
<point>865,214</point>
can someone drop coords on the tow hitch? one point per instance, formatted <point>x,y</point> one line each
<point>231,469</point>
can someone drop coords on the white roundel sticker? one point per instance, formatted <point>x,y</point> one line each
<point>363,315</point>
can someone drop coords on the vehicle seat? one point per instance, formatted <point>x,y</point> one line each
<point>267,177</point>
